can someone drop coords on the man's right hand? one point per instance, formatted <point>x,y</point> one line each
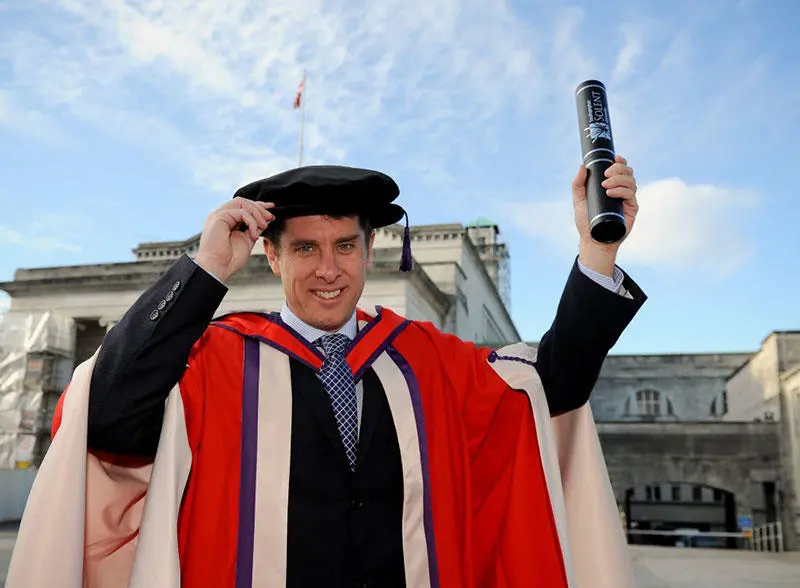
<point>224,249</point>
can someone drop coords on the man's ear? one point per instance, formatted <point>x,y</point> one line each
<point>272,256</point>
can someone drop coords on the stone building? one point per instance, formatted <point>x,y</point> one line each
<point>705,441</point>
<point>459,283</point>
<point>702,441</point>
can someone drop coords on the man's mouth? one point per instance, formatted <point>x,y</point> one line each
<point>328,294</point>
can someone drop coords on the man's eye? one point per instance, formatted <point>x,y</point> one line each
<point>347,246</point>
<point>305,249</point>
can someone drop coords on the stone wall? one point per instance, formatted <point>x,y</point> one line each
<point>451,260</point>
<point>736,457</point>
<point>690,387</point>
<point>753,390</point>
<point>790,451</point>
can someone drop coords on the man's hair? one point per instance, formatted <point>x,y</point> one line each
<point>278,226</point>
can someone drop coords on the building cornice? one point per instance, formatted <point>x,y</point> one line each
<point>139,275</point>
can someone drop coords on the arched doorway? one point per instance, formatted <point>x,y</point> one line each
<point>652,509</point>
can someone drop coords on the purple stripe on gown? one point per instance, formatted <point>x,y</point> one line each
<point>249,459</point>
<point>416,402</point>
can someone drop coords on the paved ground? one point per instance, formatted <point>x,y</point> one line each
<point>657,567</point>
<point>7,535</point>
<point>672,567</point>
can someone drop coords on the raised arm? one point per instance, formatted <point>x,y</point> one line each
<point>589,321</point>
<point>590,317</point>
<point>145,354</point>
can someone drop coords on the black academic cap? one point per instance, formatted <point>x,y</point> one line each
<point>333,190</point>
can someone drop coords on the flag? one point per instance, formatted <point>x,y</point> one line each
<point>299,94</point>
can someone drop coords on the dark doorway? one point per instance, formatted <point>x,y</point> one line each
<point>655,511</point>
<point>769,502</point>
<point>88,337</point>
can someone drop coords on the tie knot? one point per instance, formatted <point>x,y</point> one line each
<point>334,344</point>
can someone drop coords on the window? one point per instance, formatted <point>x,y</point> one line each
<point>648,404</point>
<point>719,406</point>
<point>676,493</point>
<point>657,493</point>
<point>697,494</point>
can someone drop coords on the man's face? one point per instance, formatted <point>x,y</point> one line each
<point>322,263</point>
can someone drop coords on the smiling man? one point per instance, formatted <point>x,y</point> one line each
<point>328,445</point>
<point>321,262</point>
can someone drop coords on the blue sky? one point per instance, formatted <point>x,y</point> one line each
<point>124,121</point>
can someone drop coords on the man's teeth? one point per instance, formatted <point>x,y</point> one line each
<point>332,294</point>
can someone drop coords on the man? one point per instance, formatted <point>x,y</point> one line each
<point>327,445</point>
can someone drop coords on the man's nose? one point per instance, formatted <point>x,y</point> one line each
<point>327,269</point>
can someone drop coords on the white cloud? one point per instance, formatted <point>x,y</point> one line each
<point>46,233</point>
<point>439,91</point>
<point>213,80</point>
<point>28,121</point>
<point>680,227</point>
<point>631,51</point>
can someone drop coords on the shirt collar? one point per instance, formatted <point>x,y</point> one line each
<point>311,334</point>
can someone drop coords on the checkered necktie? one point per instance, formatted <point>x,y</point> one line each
<point>338,381</point>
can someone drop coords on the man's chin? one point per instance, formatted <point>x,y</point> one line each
<point>328,319</point>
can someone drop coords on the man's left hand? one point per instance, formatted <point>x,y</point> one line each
<point>619,183</point>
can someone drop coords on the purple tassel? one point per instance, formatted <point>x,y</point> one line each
<point>406,264</point>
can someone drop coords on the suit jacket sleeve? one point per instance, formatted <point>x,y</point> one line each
<point>145,355</point>
<point>589,321</point>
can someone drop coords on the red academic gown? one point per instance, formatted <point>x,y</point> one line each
<point>487,482</point>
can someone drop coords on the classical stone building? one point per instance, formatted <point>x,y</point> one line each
<point>702,441</point>
<point>705,441</point>
<point>459,283</point>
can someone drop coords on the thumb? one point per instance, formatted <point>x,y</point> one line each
<point>579,186</point>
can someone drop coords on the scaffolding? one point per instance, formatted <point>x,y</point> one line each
<point>494,254</point>
<point>36,363</point>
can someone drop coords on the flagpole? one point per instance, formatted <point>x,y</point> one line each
<point>302,121</point>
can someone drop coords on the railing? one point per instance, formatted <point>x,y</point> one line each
<point>768,537</point>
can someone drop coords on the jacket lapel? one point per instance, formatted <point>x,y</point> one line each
<point>369,413</point>
<point>313,395</point>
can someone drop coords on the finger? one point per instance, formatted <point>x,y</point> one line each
<point>259,213</point>
<point>620,159</point>
<point>252,224</point>
<point>234,203</point>
<point>618,169</point>
<point>265,207</point>
<point>622,193</point>
<point>620,182</point>
<point>262,214</point>
<point>579,185</point>
<point>240,219</point>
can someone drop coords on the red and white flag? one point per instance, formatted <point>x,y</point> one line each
<point>298,97</point>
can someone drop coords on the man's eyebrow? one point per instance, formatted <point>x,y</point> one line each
<point>349,238</point>
<point>302,242</point>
